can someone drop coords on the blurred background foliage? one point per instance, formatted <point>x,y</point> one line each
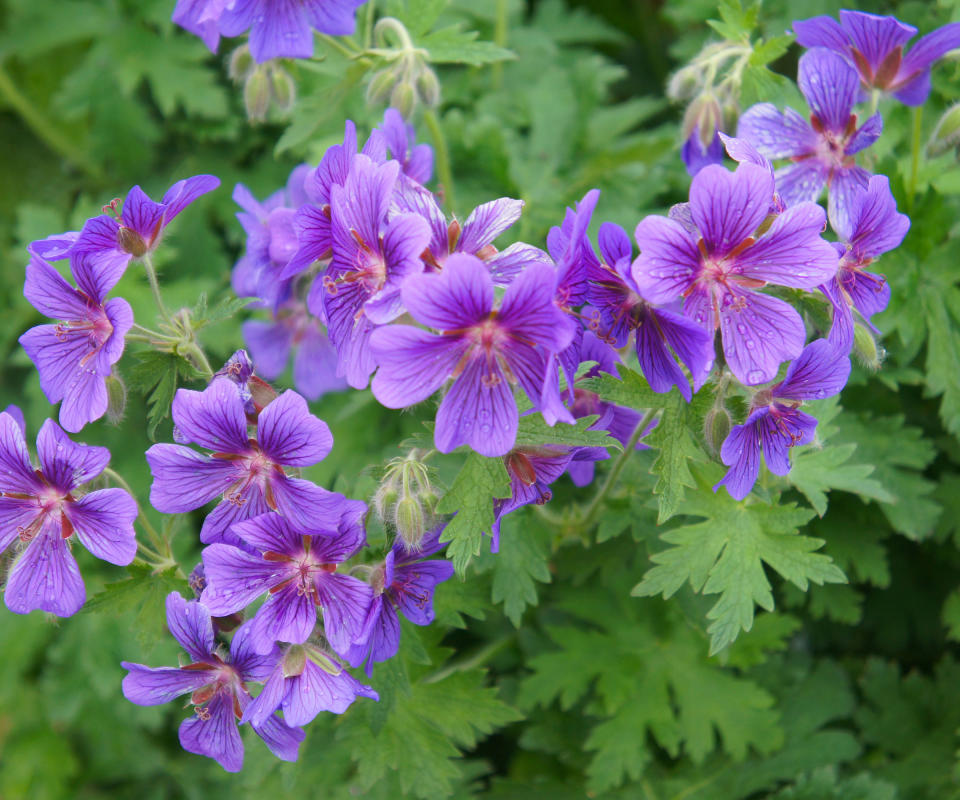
<point>543,677</point>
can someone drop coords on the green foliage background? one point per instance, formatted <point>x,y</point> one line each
<point>554,670</point>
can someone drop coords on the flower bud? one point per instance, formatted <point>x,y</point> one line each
<point>403,98</point>
<point>131,242</point>
<point>428,87</point>
<point>283,88</point>
<point>409,521</point>
<point>197,579</point>
<point>947,132</point>
<point>866,348</point>
<point>684,83</point>
<point>380,86</point>
<point>256,95</point>
<point>716,428</point>
<point>241,64</point>
<point>116,399</point>
<point>703,116</point>
<point>294,661</point>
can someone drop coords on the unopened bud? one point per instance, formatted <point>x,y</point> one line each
<point>716,428</point>
<point>429,498</point>
<point>256,95</point>
<point>403,98</point>
<point>428,88</point>
<point>241,64</point>
<point>294,661</point>
<point>947,132</point>
<point>684,83</point>
<point>704,116</point>
<point>197,579</point>
<point>116,399</point>
<point>866,348</point>
<point>131,242</point>
<point>409,522</point>
<point>283,88</point>
<point>380,86</point>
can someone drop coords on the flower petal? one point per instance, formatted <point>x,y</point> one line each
<point>65,463</point>
<point>728,206</point>
<point>413,363</point>
<point>183,479</point>
<point>669,260</point>
<point>458,297</point>
<point>16,471</point>
<point>830,85</point>
<point>821,370</point>
<point>285,617</point>
<point>759,333</point>
<point>741,452</point>
<point>216,736</point>
<point>45,576</point>
<point>874,36</point>
<point>290,435</point>
<point>190,624</point>
<point>103,521</point>
<point>486,222</point>
<point>154,686</point>
<point>213,418</point>
<point>478,410</point>
<point>282,739</point>
<point>235,578</point>
<point>776,135</point>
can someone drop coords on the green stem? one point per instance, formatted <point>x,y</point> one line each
<point>442,157</point>
<point>368,25</point>
<point>474,660</point>
<point>150,332</point>
<point>593,509</point>
<point>199,357</point>
<point>46,130</point>
<point>500,39</point>
<point>155,287</point>
<point>155,538</point>
<point>915,148</point>
<point>874,101</point>
<point>339,46</point>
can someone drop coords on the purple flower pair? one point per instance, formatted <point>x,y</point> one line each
<point>41,510</point>
<point>216,682</point>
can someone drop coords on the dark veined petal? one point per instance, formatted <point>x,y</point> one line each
<point>45,576</point>
<point>875,36</point>
<point>845,186</point>
<point>727,207</point>
<point>183,479</point>
<point>458,297</point>
<point>280,30</point>
<point>801,182</point>
<point>741,452</point>
<point>877,227</point>
<point>830,85</point>
<point>669,260</point>
<point>775,134</point>
<point>47,291</point>
<point>235,578</point>
<point>821,370</point>
<point>316,690</point>
<point>103,521</point>
<point>142,215</point>
<point>16,471</point>
<point>345,601</point>
<point>780,430</point>
<point>822,32</point>
<point>486,222</point>
<point>413,363</point>
<point>216,736</point>
<point>269,346</point>
<point>190,624</point>
<point>184,192</point>
<point>759,333</point>
<point>154,686</point>
<point>286,616</point>
<point>213,418</point>
<point>282,739</point>
<point>65,463</point>
<point>478,410</point>
<point>290,435</point>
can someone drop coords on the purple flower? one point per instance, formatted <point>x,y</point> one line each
<point>775,424</point>
<point>293,329</point>
<point>721,258</point>
<point>216,685</point>
<point>306,681</point>
<point>201,18</point>
<point>876,228</point>
<point>284,28</point>
<point>43,510</point>
<point>485,350</point>
<point>821,151</point>
<point>371,259</point>
<point>140,225</point>
<point>271,239</point>
<point>621,310</point>
<point>416,160</point>
<point>247,472</point>
<point>405,582</point>
<point>874,45</point>
<point>298,571</point>
<point>696,156</point>
<point>75,356</point>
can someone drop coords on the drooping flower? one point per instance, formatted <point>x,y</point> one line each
<point>619,310</point>
<point>775,423</point>
<point>256,393</point>
<point>43,510</point>
<point>416,160</point>
<point>284,28</point>
<point>293,329</point>
<point>216,683</point>
<point>405,583</point>
<point>486,350</point>
<point>307,680</point>
<point>822,151</point>
<point>141,223</point>
<point>76,355</point>
<point>271,239</point>
<point>372,257</point>
<point>298,571</point>
<point>874,45</point>
<point>247,472</point>
<point>875,228</point>
<point>201,18</point>
<point>696,156</point>
<point>724,255</point>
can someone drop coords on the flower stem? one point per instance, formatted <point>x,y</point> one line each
<point>915,156</point>
<point>339,46</point>
<point>471,661</point>
<point>593,509</point>
<point>368,25</point>
<point>155,287</point>
<point>199,357</point>
<point>158,542</point>
<point>443,157</point>
<point>500,39</point>
<point>874,101</point>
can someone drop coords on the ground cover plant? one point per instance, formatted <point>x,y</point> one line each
<point>437,398</point>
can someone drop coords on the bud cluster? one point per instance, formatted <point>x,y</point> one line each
<point>407,80</point>
<point>406,499</point>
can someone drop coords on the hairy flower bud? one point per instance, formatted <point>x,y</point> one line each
<point>116,399</point>
<point>428,87</point>
<point>283,88</point>
<point>404,99</point>
<point>256,95</point>
<point>866,348</point>
<point>716,428</point>
<point>947,132</point>
<point>410,523</point>
<point>241,64</point>
<point>294,661</point>
<point>380,86</point>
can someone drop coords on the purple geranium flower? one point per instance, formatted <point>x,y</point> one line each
<point>404,582</point>
<point>722,255</point>
<point>141,223</point>
<point>874,45</point>
<point>695,156</point>
<point>43,510</point>
<point>215,682</point>
<point>371,259</point>
<point>75,356</point>
<point>284,28</point>
<point>271,239</point>
<point>775,424</point>
<point>293,329</point>
<point>485,350</point>
<point>620,310</point>
<point>298,571</point>
<point>306,681</point>
<point>416,160</point>
<point>876,227</point>
<point>821,151</point>
<point>201,18</point>
<point>247,472</point>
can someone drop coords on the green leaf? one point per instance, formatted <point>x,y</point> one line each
<point>824,784</point>
<point>157,375</point>
<point>631,390</point>
<point>943,351</point>
<point>471,496</point>
<point>454,46</point>
<point>520,562</point>
<point>675,447</point>
<point>725,555</point>
<point>817,470</point>
<point>202,315</point>
<point>533,432</point>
